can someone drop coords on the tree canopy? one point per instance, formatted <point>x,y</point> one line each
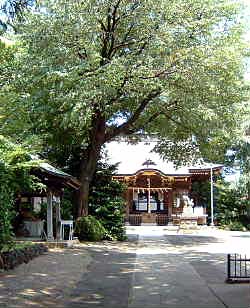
<point>87,72</point>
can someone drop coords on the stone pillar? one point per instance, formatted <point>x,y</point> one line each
<point>50,217</point>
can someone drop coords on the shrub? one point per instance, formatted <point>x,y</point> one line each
<point>6,211</point>
<point>16,256</point>
<point>106,202</point>
<point>236,226</point>
<point>89,228</point>
<point>15,166</point>
<point>111,215</point>
<point>233,207</point>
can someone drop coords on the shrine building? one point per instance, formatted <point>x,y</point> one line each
<point>157,193</point>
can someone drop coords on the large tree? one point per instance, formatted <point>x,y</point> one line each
<point>11,10</point>
<point>89,71</point>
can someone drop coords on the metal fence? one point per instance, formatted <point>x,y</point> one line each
<point>238,268</point>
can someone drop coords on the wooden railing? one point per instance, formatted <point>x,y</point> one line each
<point>161,219</point>
<point>135,219</point>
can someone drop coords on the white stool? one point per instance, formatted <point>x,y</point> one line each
<point>66,223</point>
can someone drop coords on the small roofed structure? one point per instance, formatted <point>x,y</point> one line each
<point>54,180</point>
<point>55,177</point>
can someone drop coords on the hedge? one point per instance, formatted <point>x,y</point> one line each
<point>17,256</point>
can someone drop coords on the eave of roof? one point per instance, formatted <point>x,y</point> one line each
<point>67,179</point>
<point>152,170</point>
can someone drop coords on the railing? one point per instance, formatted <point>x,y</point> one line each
<point>135,219</point>
<point>238,268</point>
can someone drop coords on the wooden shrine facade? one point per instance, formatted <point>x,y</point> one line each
<point>151,193</point>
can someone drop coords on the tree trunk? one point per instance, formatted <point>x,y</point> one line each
<point>83,198</point>
<point>89,160</point>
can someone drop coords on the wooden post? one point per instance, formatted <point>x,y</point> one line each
<point>211,196</point>
<point>149,196</point>
<point>128,202</point>
<point>58,220</point>
<point>50,217</point>
<point>170,203</point>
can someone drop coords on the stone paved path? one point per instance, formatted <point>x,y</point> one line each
<point>46,281</point>
<point>161,270</point>
<point>107,282</point>
<point>171,272</point>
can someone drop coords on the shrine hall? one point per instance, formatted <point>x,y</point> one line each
<point>156,192</point>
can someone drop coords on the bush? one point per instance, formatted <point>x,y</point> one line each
<point>111,215</point>
<point>16,256</point>
<point>236,226</point>
<point>106,202</point>
<point>15,166</point>
<point>6,208</point>
<point>89,228</point>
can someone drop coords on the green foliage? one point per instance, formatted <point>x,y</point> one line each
<point>66,207</point>
<point>6,211</point>
<point>106,201</point>
<point>236,226</point>
<point>233,207</point>
<point>15,166</point>
<point>201,192</point>
<point>165,62</point>
<point>158,67</point>
<point>89,228</point>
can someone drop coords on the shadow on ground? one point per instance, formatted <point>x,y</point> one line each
<point>123,274</point>
<point>107,282</point>
<point>44,281</point>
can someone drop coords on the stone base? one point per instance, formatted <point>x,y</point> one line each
<point>189,223</point>
<point>62,244</point>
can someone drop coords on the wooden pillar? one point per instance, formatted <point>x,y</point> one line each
<point>127,204</point>
<point>170,203</point>
<point>58,220</point>
<point>149,195</point>
<point>50,217</point>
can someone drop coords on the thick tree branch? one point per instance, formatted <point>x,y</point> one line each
<point>168,116</point>
<point>171,107</point>
<point>109,40</point>
<point>143,125</point>
<point>114,19</point>
<point>128,126</point>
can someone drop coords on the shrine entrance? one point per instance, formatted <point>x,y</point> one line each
<point>148,202</point>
